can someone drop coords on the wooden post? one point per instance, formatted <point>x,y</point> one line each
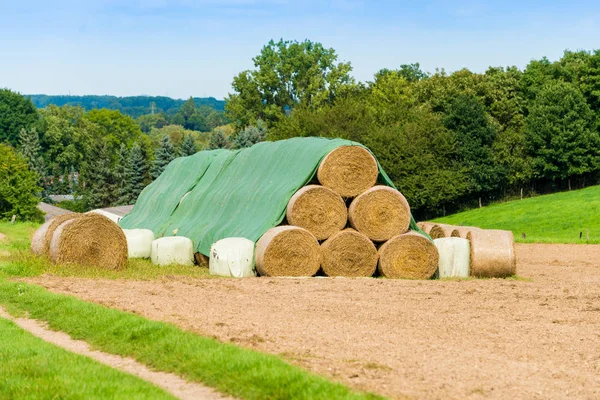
<point>12,221</point>
<point>480,203</point>
<point>521,193</point>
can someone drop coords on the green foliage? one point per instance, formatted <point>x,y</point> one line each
<point>163,156</point>
<point>134,175</point>
<point>18,187</point>
<point>553,218</point>
<point>115,128</point>
<point>34,369</point>
<point>188,146</point>
<point>250,136</point>
<point>287,74</point>
<point>177,133</point>
<point>188,108</point>
<point>16,112</point>
<point>560,134</point>
<point>150,121</point>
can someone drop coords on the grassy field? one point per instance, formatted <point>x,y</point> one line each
<point>237,371</point>
<point>33,369</point>
<point>554,218</point>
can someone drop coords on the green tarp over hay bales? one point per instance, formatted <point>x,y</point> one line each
<point>232,193</point>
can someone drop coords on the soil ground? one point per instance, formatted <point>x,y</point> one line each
<point>533,338</point>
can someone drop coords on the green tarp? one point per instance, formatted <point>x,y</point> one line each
<point>232,193</point>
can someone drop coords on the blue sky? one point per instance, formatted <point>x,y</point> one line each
<point>184,47</point>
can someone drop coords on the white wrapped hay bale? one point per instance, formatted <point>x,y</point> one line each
<point>139,242</point>
<point>455,257</point>
<point>232,257</point>
<point>113,217</point>
<point>172,250</point>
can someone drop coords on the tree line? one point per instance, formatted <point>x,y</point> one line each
<point>449,141</point>
<point>134,106</point>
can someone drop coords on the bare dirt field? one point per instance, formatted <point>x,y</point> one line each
<point>534,338</point>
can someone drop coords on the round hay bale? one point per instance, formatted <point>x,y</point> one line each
<point>348,170</point>
<point>90,240</point>
<point>438,231</point>
<point>461,231</point>
<point>408,256</point>
<point>319,210</point>
<point>492,253</point>
<point>380,213</point>
<point>425,226</point>
<point>287,251</point>
<point>348,253</point>
<point>40,243</point>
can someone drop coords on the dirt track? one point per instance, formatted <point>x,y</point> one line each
<point>421,339</point>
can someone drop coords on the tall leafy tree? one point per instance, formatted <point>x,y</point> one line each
<point>162,157</point>
<point>188,108</point>
<point>16,112</point>
<point>115,128</point>
<point>286,74</point>
<point>475,134</point>
<point>188,146</point>
<point>18,187</point>
<point>560,133</point>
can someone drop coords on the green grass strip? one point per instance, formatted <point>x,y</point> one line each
<point>230,369</point>
<point>554,218</point>
<point>33,369</point>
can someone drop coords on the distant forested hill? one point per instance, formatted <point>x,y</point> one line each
<point>134,106</point>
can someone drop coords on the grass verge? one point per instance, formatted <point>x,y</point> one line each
<point>230,369</point>
<point>554,218</point>
<point>33,369</point>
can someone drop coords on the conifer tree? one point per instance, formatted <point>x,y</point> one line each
<point>250,136</point>
<point>100,185</point>
<point>121,175</point>
<point>163,156</point>
<point>218,140</point>
<point>188,146</point>
<point>135,170</point>
<point>29,147</point>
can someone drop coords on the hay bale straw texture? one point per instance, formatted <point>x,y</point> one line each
<point>492,253</point>
<point>319,210</point>
<point>380,213</point>
<point>348,170</point>
<point>40,243</point>
<point>90,240</point>
<point>462,231</point>
<point>408,256</point>
<point>438,231</point>
<point>287,251</point>
<point>349,253</point>
<point>425,226</point>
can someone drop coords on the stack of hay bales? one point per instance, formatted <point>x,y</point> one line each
<point>491,252</point>
<point>371,234</point>
<point>83,239</point>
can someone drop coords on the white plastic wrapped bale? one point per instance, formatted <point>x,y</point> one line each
<point>232,257</point>
<point>139,242</point>
<point>113,217</point>
<point>455,257</point>
<point>172,250</point>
